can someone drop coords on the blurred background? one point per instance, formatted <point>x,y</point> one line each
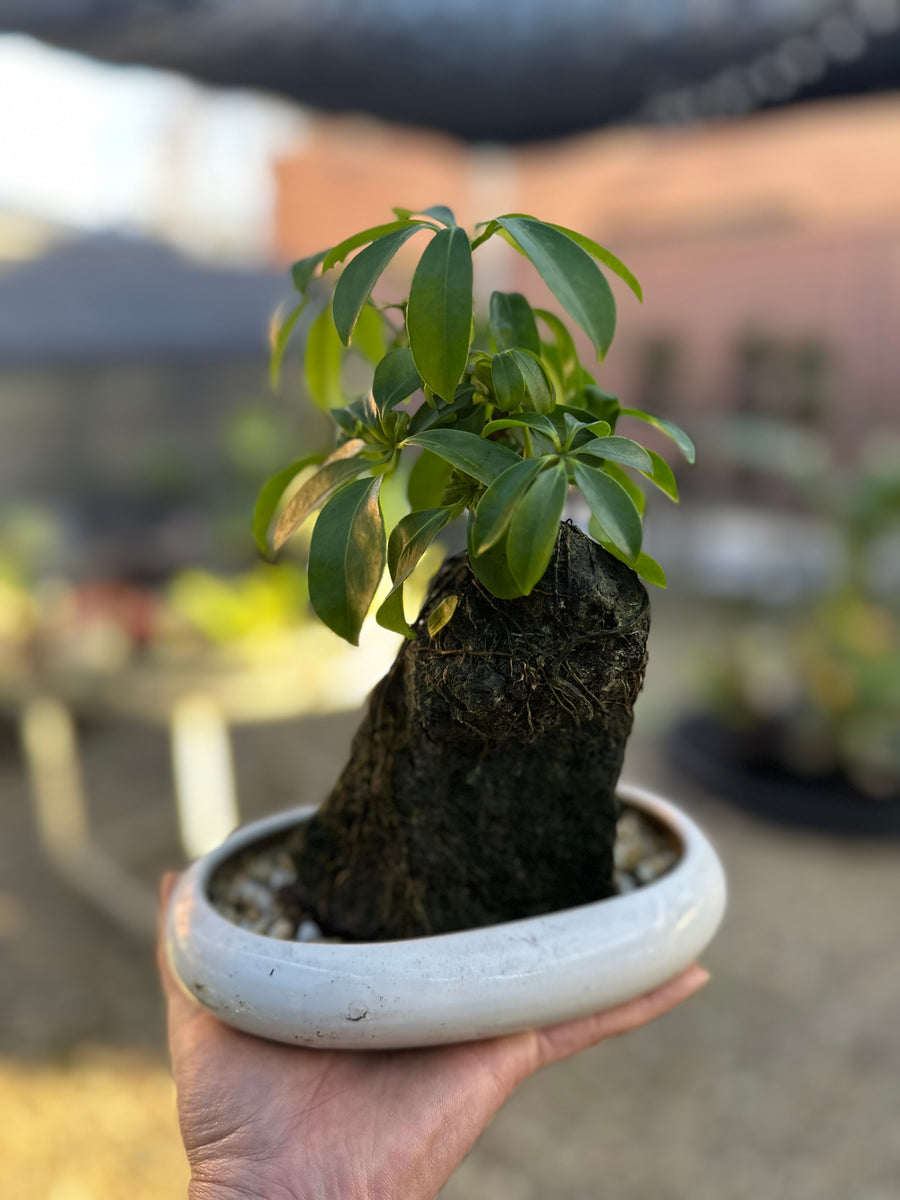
<point>162,165</point>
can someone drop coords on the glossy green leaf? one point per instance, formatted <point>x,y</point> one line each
<point>439,316</point>
<point>622,477</point>
<point>441,213</point>
<point>525,420</point>
<point>303,270</point>
<point>499,502</point>
<point>572,276</point>
<point>445,414</point>
<point>391,614</point>
<point>566,358</point>
<point>662,476</point>
<point>613,508</point>
<point>346,557</point>
<point>269,496</point>
<point>322,361</point>
<point>337,470</point>
<point>538,387</point>
<point>620,450</point>
<point>534,527</point>
<point>368,336</point>
<point>441,615</point>
<point>339,252</point>
<point>605,256</point>
<point>507,381</point>
<point>512,322</point>
<point>279,335</point>
<point>604,405</point>
<point>427,480</point>
<point>491,568</point>
<point>644,566</point>
<point>409,540</point>
<point>468,452</point>
<point>361,274</point>
<point>675,432</point>
<point>396,378</point>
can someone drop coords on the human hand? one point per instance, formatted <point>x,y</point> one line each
<point>266,1121</point>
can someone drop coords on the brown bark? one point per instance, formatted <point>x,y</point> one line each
<point>481,783</point>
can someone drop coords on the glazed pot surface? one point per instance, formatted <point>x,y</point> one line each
<point>456,987</point>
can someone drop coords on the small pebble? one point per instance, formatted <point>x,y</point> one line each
<point>653,868</point>
<point>246,890</point>
<point>254,894</point>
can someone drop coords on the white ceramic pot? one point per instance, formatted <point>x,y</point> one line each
<point>456,987</point>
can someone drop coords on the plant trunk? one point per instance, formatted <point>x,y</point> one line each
<point>481,783</point>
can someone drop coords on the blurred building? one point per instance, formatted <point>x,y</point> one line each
<point>134,399</point>
<point>768,247</point>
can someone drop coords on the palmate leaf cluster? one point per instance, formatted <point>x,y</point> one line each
<point>498,434</point>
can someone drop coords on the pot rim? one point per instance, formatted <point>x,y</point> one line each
<point>688,836</point>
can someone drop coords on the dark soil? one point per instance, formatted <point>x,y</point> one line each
<point>481,783</point>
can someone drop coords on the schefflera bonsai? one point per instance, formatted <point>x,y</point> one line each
<point>481,784</point>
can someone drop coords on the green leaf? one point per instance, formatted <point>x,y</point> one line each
<point>337,470</point>
<point>361,274</point>
<point>269,496</point>
<point>346,557</point>
<point>572,276</point>
<point>536,421</point>
<point>391,614</point>
<point>491,568</point>
<point>538,387</point>
<point>279,335</point>
<point>622,477</point>
<point>499,502</point>
<point>322,362</point>
<point>512,323</point>
<point>662,476</point>
<point>427,480</point>
<point>441,213</point>
<point>339,252</point>
<point>368,336</point>
<point>675,432</point>
<point>648,568</point>
<point>620,450</point>
<point>534,527</point>
<point>468,452</point>
<point>604,405</point>
<point>508,382</point>
<point>613,508</point>
<point>396,378</point>
<point>441,615</point>
<point>409,540</point>
<point>447,414</point>
<point>644,566</point>
<point>566,357</point>
<point>303,270</point>
<point>439,316</point>
<point>605,256</point>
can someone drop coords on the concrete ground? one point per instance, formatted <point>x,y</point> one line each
<point>780,1080</point>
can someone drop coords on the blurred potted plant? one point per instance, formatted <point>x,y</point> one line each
<point>802,719</point>
<point>481,790</point>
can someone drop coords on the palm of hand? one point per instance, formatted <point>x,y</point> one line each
<point>272,1122</point>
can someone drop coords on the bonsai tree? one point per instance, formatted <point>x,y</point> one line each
<point>481,783</point>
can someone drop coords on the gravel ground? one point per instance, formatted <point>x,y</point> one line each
<point>780,1080</point>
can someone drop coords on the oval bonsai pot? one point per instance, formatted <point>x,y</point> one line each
<point>455,987</point>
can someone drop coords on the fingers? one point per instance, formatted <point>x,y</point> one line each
<point>559,1041</point>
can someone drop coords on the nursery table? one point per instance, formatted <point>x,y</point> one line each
<point>197,703</point>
